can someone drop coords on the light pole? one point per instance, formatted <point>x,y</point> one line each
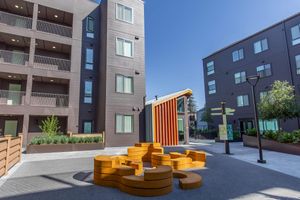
<point>253,80</point>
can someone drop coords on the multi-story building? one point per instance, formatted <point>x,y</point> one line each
<point>75,59</point>
<point>273,53</point>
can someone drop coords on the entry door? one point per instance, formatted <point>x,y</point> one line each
<point>14,97</point>
<point>11,127</point>
<point>181,128</point>
<point>18,57</point>
<point>245,125</point>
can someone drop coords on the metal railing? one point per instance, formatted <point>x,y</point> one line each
<point>14,57</point>
<point>49,63</point>
<point>15,20</point>
<point>49,100</point>
<point>9,97</point>
<point>54,28</point>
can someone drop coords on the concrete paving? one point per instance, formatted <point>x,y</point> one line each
<point>69,176</point>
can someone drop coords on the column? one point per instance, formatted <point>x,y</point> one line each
<point>32,41</point>
<point>186,121</point>
<point>25,129</point>
<point>28,89</point>
<point>35,15</point>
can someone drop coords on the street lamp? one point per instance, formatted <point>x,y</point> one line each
<point>253,80</point>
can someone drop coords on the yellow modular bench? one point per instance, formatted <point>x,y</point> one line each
<point>146,149</point>
<point>188,180</point>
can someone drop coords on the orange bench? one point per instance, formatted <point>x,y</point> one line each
<point>188,180</point>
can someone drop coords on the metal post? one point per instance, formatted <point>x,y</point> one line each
<point>227,148</point>
<point>260,160</point>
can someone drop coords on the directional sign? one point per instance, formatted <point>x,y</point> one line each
<point>216,109</point>
<point>216,114</point>
<point>229,110</point>
<point>223,132</point>
<point>231,114</point>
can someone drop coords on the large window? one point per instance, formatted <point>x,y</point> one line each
<point>180,105</point>
<point>261,46</point>
<point>88,92</point>
<point>240,77</point>
<point>297,58</point>
<point>270,125</point>
<point>90,27</point>
<point>263,94</point>
<point>243,100</point>
<point>124,13</point>
<point>295,34</point>
<point>124,84</point>
<point>238,55</point>
<point>264,70</point>
<point>87,127</point>
<point>210,68</point>
<point>124,47</point>
<point>89,59</point>
<point>124,123</point>
<point>212,87</point>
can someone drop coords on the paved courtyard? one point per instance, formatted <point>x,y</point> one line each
<point>68,176</point>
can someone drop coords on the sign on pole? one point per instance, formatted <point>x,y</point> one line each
<point>223,132</point>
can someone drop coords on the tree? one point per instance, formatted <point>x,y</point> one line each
<point>280,103</point>
<point>50,126</point>
<point>192,107</point>
<point>206,115</point>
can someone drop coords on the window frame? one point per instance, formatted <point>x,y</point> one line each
<point>86,95</point>
<point>240,56</point>
<point>210,72</point>
<point>123,123</point>
<point>123,76</point>
<point>297,67</point>
<point>92,126</point>
<point>132,47</point>
<point>261,45</point>
<point>215,90</point>
<point>240,77</point>
<point>123,20</point>
<point>86,57</point>
<point>243,95</point>
<point>264,70</point>
<point>295,41</point>
<point>90,33</point>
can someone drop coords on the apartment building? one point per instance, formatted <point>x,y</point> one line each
<point>273,53</point>
<point>75,59</point>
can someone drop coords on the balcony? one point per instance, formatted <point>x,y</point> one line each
<point>49,63</point>
<point>14,57</point>
<point>15,20</point>
<point>53,28</point>
<point>49,100</point>
<point>12,98</point>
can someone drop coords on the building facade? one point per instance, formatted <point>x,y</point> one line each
<point>83,64</point>
<point>273,53</point>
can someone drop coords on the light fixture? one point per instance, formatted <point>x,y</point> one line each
<point>16,6</point>
<point>39,11</point>
<point>51,80</point>
<point>54,47</point>
<point>56,16</point>
<point>9,76</point>
<point>13,40</point>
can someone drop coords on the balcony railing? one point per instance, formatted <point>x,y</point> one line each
<point>15,20</point>
<point>48,63</point>
<point>13,57</point>
<point>54,28</point>
<point>8,97</point>
<point>49,100</point>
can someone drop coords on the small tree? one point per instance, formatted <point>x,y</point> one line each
<point>50,126</point>
<point>206,115</point>
<point>192,107</point>
<point>280,103</point>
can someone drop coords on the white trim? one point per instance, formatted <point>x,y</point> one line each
<point>128,40</point>
<point>122,20</point>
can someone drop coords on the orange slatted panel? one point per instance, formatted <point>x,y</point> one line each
<point>156,124</point>
<point>176,124</point>
<point>172,122</point>
<point>169,123</point>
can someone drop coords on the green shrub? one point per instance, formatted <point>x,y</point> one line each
<point>251,132</point>
<point>271,135</point>
<point>236,135</point>
<point>62,139</point>
<point>73,140</point>
<point>50,126</point>
<point>285,137</point>
<point>97,139</point>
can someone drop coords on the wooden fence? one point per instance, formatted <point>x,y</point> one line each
<point>10,153</point>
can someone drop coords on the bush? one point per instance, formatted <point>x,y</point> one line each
<point>271,135</point>
<point>50,126</point>
<point>251,132</point>
<point>236,135</point>
<point>285,137</point>
<point>62,139</point>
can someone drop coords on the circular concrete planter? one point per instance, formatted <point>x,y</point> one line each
<point>250,141</point>
<point>50,148</point>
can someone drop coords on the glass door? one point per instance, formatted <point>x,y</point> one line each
<point>14,96</point>
<point>11,127</point>
<point>181,128</point>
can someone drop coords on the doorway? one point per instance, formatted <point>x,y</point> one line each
<point>11,127</point>
<point>245,125</point>
<point>14,96</point>
<point>181,129</point>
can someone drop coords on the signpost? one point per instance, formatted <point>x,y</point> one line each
<point>225,130</point>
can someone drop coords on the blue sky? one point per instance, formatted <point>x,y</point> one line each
<point>180,33</point>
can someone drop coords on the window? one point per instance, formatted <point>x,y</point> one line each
<point>295,34</point>
<point>124,13</point>
<point>210,68</point>
<point>87,127</point>
<point>240,77</point>
<point>124,84</point>
<point>263,94</point>
<point>88,92</point>
<point>124,47</point>
<point>180,105</point>
<point>238,55</point>
<point>124,123</point>
<point>90,27</point>
<point>270,125</point>
<point>298,63</point>
<point>261,46</point>
<point>89,59</point>
<point>212,87</point>
<point>264,70</point>
<point>243,100</point>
